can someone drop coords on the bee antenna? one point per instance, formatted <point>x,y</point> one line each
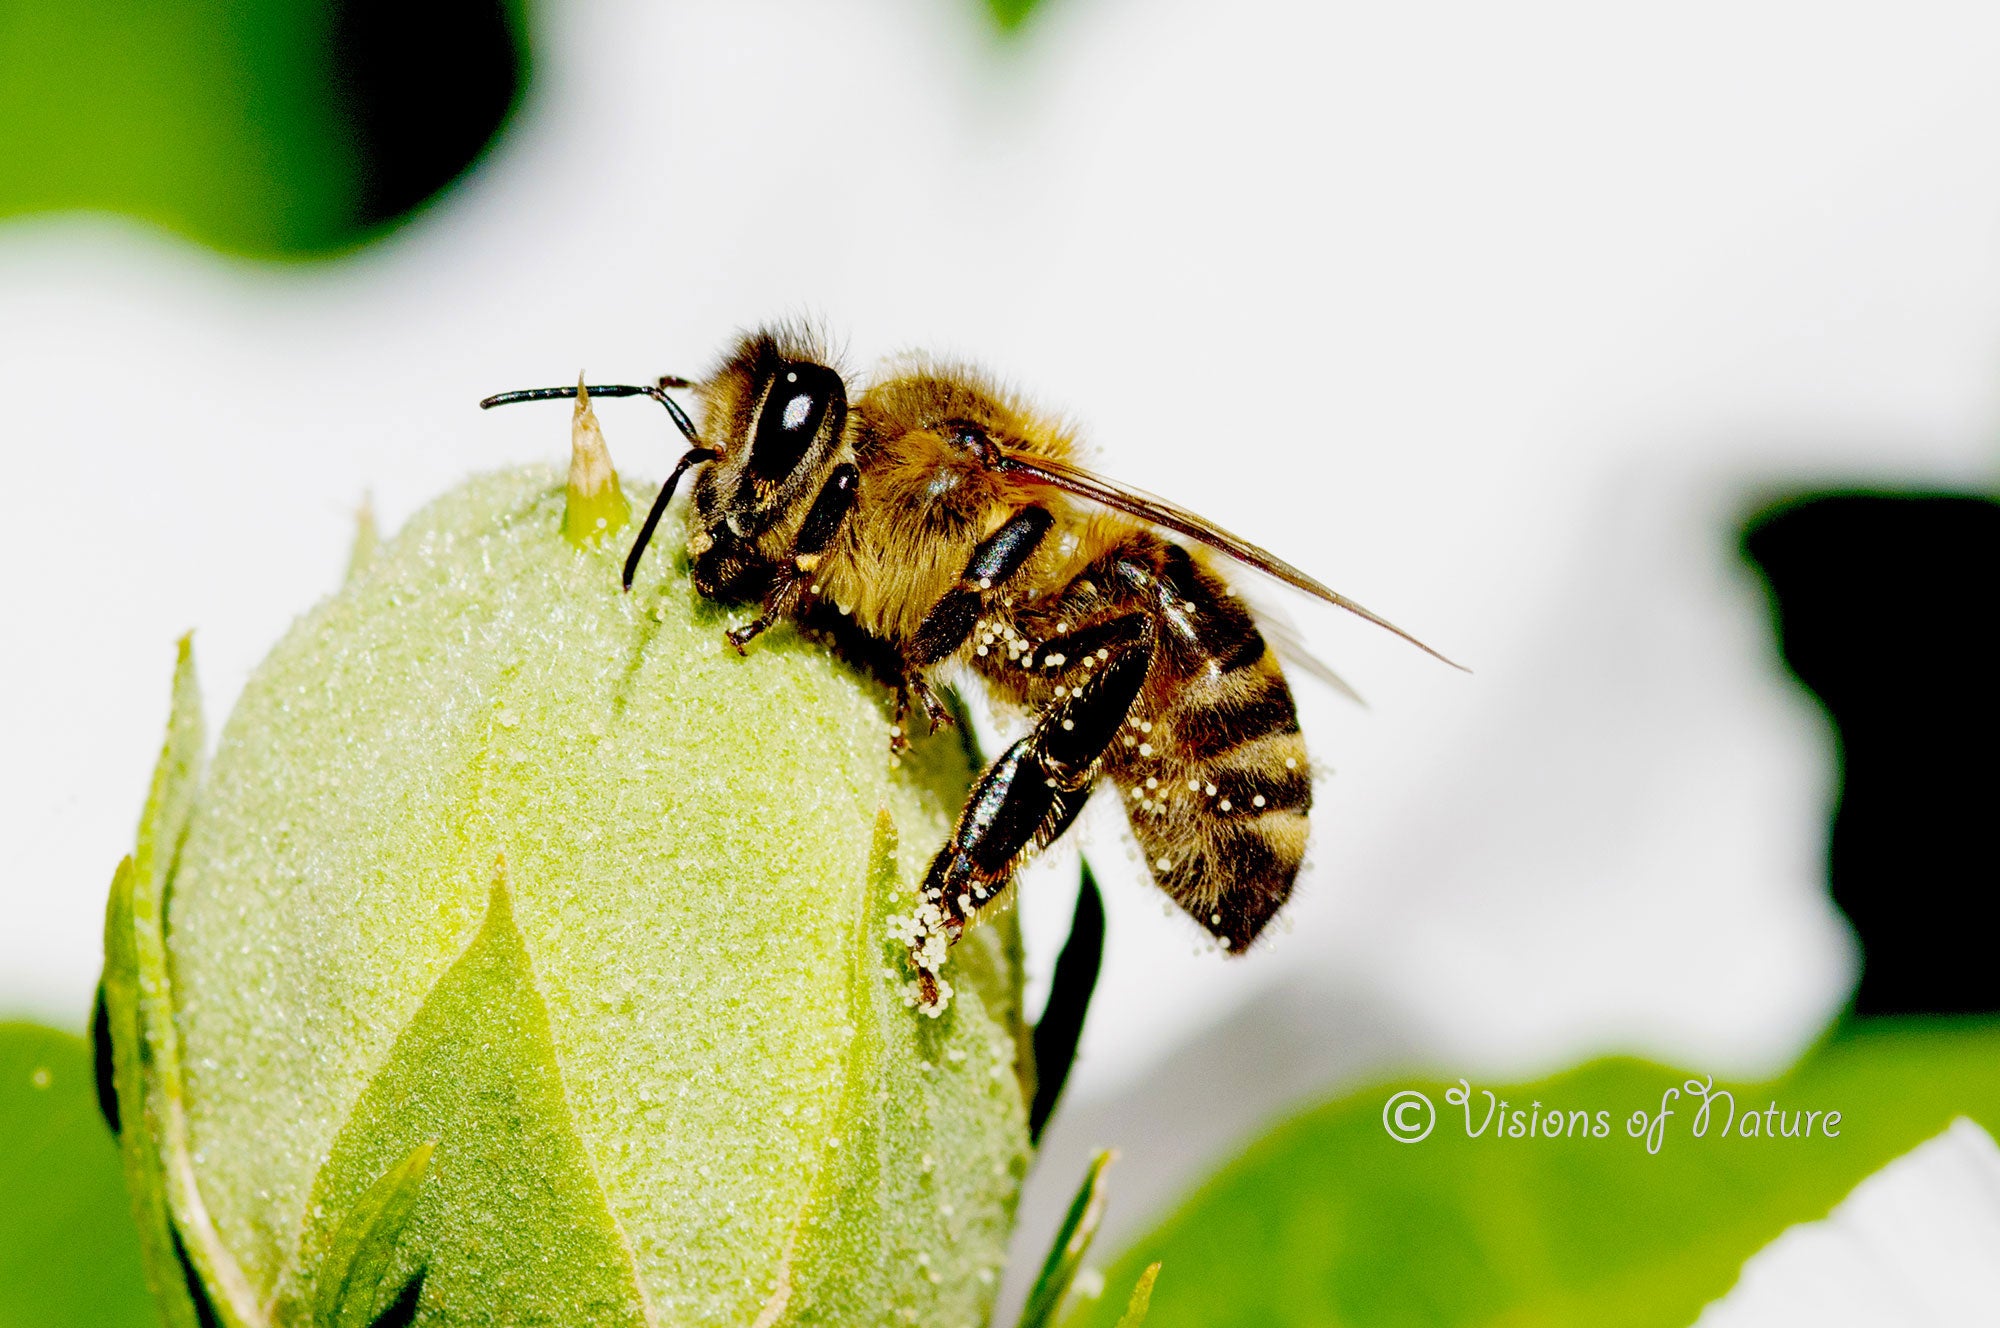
<point>694,456</point>
<point>659,394</point>
<point>697,452</point>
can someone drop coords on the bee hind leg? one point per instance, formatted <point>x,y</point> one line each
<point>1024,800</point>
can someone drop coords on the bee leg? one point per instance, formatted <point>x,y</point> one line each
<point>1027,798</point>
<point>950,621</point>
<point>935,711</point>
<point>776,605</point>
<point>816,534</point>
<point>1013,806</point>
<point>899,728</point>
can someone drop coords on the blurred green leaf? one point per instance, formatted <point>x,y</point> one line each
<point>1072,1243</point>
<point>68,1253</point>
<point>1328,1220</point>
<point>261,127</point>
<point>1141,1299</point>
<point>1011,15</point>
<point>215,120</point>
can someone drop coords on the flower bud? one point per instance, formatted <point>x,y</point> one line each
<point>524,956</point>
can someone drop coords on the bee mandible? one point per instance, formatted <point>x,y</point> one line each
<point>951,524</point>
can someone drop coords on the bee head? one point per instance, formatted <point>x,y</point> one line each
<point>777,412</point>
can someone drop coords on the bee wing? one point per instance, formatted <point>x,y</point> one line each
<point>1283,636</point>
<point>1172,516</point>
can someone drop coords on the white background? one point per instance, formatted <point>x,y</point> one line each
<point>1499,318</point>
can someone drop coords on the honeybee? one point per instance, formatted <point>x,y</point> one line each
<point>951,524</point>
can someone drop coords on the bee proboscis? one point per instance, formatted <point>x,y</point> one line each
<point>950,523</point>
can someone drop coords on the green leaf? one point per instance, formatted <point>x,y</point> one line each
<point>145,1175</point>
<point>1061,1025</point>
<point>1072,1242</point>
<point>1328,1220</point>
<point>351,1276</point>
<point>263,127</point>
<point>170,800</point>
<point>147,109</point>
<point>512,1225</point>
<point>1142,1298</point>
<point>140,1019</point>
<point>137,1002</point>
<point>69,1257</point>
<point>1010,16</point>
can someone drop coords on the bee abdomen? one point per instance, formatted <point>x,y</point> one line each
<point>1209,730</point>
<point>1241,793</point>
<point>1220,808</point>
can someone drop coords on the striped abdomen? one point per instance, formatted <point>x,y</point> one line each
<point>1210,764</point>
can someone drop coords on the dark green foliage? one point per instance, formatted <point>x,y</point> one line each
<point>102,1073</point>
<point>402,1311</point>
<point>1061,1025</point>
<point>204,1308</point>
<point>1884,607</point>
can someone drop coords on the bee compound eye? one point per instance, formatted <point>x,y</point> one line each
<point>800,399</point>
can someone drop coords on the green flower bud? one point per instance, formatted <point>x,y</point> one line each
<point>526,955</point>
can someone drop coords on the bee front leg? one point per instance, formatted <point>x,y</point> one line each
<point>815,536</point>
<point>1024,800</point>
